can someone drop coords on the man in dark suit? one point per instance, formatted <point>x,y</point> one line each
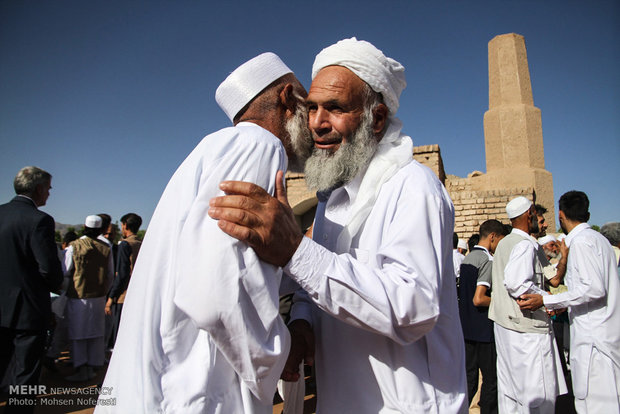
<point>30,270</point>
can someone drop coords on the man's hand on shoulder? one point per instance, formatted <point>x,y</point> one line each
<point>248,213</point>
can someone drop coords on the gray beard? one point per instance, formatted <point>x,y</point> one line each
<point>300,138</point>
<point>327,170</point>
<point>551,254</point>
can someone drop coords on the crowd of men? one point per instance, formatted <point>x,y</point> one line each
<point>513,290</point>
<point>58,298</point>
<point>375,307</point>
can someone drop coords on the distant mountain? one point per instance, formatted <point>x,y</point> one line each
<point>62,228</point>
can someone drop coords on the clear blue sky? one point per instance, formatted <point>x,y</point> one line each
<point>110,96</point>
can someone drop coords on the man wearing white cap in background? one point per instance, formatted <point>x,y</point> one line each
<point>90,267</point>
<point>458,254</point>
<point>200,330</point>
<point>529,374</point>
<point>594,310</point>
<point>378,277</point>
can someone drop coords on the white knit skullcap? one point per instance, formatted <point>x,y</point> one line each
<point>384,75</point>
<point>93,222</point>
<point>462,244</point>
<point>517,206</point>
<point>247,81</point>
<point>546,239</point>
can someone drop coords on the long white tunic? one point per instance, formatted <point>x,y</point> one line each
<point>200,331</point>
<point>528,366</point>
<point>593,304</point>
<point>388,335</point>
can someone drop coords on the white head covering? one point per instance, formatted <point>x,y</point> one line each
<point>517,206</point>
<point>546,239</point>
<point>462,244</point>
<point>384,75</point>
<point>247,81</point>
<point>93,222</point>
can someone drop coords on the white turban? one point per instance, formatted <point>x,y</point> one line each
<point>546,239</point>
<point>384,75</point>
<point>387,77</point>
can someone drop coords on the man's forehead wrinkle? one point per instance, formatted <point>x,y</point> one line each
<point>335,85</point>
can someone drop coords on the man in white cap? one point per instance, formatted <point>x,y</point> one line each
<point>90,267</point>
<point>529,374</point>
<point>458,254</point>
<point>200,330</point>
<point>377,273</point>
<point>594,309</point>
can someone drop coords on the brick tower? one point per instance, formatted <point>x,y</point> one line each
<point>513,126</point>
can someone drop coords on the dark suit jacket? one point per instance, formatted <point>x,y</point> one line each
<point>29,265</point>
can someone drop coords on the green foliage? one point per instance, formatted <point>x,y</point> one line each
<point>595,227</point>
<point>141,234</point>
<point>57,236</point>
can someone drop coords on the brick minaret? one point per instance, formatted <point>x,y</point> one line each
<point>513,126</point>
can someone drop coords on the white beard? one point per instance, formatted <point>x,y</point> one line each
<point>327,170</point>
<point>300,139</point>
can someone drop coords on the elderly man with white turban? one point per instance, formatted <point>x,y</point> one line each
<point>529,374</point>
<point>377,274</point>
<point>200,331</point>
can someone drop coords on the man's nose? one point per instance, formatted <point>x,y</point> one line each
<point>318,121</point>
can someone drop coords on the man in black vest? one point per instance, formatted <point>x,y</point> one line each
<point>30,271</point>
<point>474,293</point>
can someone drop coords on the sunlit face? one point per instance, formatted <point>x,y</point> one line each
<point>542,225</point>
<point>335,107</point>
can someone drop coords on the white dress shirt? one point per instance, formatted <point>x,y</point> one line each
<point>200,331</point>
<point>593,305</point>
<point>388,335</point>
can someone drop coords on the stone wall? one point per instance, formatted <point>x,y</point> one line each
<point>473,207</point>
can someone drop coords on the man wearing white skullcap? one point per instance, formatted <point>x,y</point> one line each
<point>90,268</point>
<point>378,275</point>
<point>529,374</point>
<point>200,329</point>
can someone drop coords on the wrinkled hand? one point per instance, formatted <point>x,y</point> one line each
<point>302,349</point>
<point>248,213</point>
<point>530,301</point>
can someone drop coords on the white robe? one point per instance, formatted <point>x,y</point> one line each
<point>529,373</point>
<point>200,331</point>
<point>388,334</point>
<point>593,304</point>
